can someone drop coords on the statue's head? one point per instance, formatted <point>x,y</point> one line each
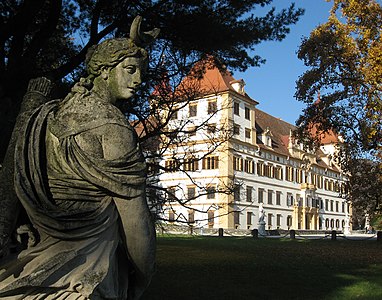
<point>111,52</point>
<point>121,61</point>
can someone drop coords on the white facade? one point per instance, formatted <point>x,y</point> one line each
<point>260,161</point>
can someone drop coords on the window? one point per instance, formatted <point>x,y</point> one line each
<point>337,187</point>
<point>171,216</point>
<point>326,204</point>
<point>210,162</point>
<point>260,168</point>
<point>299,176</point>
<point>289,221</point>
<point>260,195</point>
<point>236,193</point>
<point>211,128</point>
<point>236,129</point>
<point>212,107</point>
<point>248,166</point>
<point>191,216</point>
<point>270,197</point>
<point>289,173</point>
<point>191,164</point>
<point>191,131</point>
<point>191,192</point>
<point>247,133</point>
<point>193,109</point>
<point>249,218</point>
<point>269,219</point>
<point>320,181</point>
<point>331,205</point>
<point>278,198</point>
<point>211,218</point>
<point>343,207</point>
<point>211,190</point>
<point>247,113</point>
<point>236,218</point>
<point>289,199</point>
<point>344,188</point>
<point>171,194</point>
<point>237,163</point>
<point>314,179</point>
<point>172,165</point>
<point>268,170</point>
<point>278,220</point>
<point>236,108</point>
<point>331,185</point>
<point>326,186</point>
<point>278,174</point>
<point>337,206</point>
<point>249,193</point>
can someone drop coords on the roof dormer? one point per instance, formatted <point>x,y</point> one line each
<point>238,86</point>
<point>266,137</point>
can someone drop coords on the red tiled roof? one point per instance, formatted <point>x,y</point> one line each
<point>325,137</point>
<point>211,80</point>
<point>279,128</point>
<point>280,135</point>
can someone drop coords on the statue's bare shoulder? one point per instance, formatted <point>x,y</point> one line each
<point>109,141</point>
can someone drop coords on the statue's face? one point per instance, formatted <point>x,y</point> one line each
<point>125,78</point>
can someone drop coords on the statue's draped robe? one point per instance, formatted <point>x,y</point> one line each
<point>68,195</point>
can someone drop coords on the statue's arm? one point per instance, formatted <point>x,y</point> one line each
<point>140,240</point>
<point>138,227</point>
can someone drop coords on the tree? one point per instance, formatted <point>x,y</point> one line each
<point>365,185</point>
<point>51,38</point>
<point>344,60</point>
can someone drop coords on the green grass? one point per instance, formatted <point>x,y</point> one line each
<point>243,268</point>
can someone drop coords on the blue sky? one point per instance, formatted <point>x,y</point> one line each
<point>273,83</point>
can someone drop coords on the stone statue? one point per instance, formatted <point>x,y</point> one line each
<point>261,228</point>
<point>80,175</point>
<point>261,213</point>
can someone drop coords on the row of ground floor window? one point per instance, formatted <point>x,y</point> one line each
<point>243,219</point>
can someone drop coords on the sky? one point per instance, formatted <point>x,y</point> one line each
<point>273,83</point>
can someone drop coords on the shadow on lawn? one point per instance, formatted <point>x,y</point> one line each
<point>243,268</point>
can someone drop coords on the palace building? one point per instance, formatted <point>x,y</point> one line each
<point>240,158</point>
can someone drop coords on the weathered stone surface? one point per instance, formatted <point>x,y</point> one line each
<point>37,94</point>
<point>80,175</point>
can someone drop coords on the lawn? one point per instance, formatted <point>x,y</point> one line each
<point>244,268</point>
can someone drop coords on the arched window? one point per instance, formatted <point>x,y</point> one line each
<point>337,224</point>
<point>327,223</point>
<point>332,223</point>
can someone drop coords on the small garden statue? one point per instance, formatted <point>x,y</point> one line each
<point>80,175</point>
<point>261,228</point>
